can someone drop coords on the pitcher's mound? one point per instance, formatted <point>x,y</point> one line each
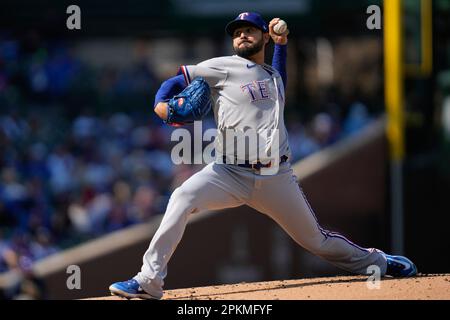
<point>422,287</point>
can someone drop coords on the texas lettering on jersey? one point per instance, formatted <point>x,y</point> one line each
<point>257,90</point>
<point>260,90</point>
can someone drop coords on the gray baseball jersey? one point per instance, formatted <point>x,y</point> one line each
<point>247,97</point>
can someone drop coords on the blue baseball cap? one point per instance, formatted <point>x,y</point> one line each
<point>246,18</point>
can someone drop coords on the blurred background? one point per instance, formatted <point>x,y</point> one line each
<point>82,155</point>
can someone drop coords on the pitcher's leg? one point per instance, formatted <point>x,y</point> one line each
<point>203,191</point>
<point>283,200</point>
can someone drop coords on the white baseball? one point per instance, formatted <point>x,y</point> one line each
<point>280,27</point>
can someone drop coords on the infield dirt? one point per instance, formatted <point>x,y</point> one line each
<point>422,287</point>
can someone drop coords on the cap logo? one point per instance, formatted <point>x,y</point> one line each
<point>243,15</point>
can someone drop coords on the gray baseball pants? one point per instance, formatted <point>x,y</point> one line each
<point>220,186</point>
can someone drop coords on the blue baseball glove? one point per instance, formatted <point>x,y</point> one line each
<point>191,104</point>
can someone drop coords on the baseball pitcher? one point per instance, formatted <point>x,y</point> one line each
<point>244,94</point>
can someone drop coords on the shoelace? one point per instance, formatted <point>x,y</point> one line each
<point>129,283</point>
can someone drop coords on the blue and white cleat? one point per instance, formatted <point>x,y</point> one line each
<point>129,289</point>
<point>399,267</point>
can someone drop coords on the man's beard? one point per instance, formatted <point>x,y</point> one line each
<point>247,52</point>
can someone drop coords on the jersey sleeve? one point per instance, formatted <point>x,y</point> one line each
<point>169,88</point>
<point>210,70</point>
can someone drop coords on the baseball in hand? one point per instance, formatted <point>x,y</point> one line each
<point>280,27</point>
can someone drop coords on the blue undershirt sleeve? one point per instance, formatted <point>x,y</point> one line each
<point>279,61</point>
<point>169,88</point>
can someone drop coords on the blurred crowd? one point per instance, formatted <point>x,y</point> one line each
<point>72,170</point>
<point>109,172</point>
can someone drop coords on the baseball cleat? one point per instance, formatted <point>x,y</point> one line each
<point>399,266</point>
<point>129,289</point>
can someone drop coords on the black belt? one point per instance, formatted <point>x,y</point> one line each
<point>255,165</point>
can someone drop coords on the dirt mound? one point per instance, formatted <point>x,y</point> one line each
<point>422,287</point>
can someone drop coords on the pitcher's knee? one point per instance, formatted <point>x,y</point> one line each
<point>317,245</point>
